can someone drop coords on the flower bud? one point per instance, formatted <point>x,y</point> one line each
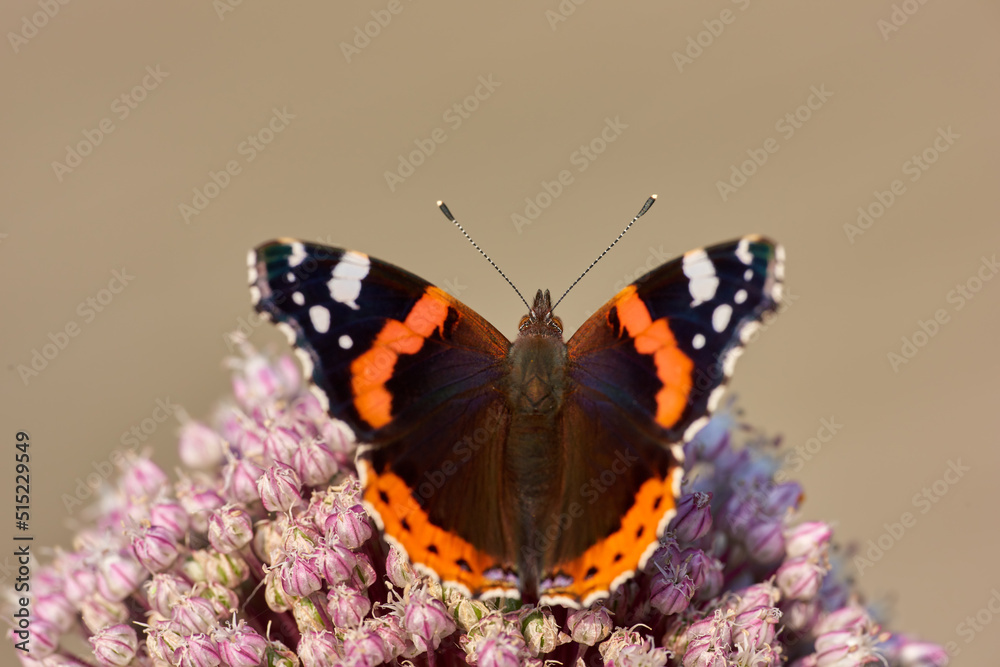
<point>314,461</point>
<point>198,650</point>
<point>349,527</point>
<point>56,609</point>
<point>200,447</point>
<point>318,649</point>
<point>240,481</point>
<point>279,488</point>
<point>230,528</point>
<point>300,575</point>
<point>347,606</point>
<point>164,591</point>
<point>115,645</point>
<point>195,614</point>
<point>98,612</point>
<point>155,548</point>
<point>800,578</point>
<point>589,626</point>
<point>765,542</point>
<point>807,538</point>
<point>398,568</point>
<point>280,445</point>
<point>670,596</point>
<point>694,517</point>
<point>363,646</point>
<point>119,575</point>
<point>427,620</point>
<point>143,480</point>
<point>241,646</point>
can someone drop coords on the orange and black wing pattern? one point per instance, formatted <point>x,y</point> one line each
<point>412,371</point>
<point>645,371</point>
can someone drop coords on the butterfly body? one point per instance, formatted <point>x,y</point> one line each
<point>540,468</point>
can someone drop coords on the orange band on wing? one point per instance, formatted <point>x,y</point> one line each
<point>673,367</point>
<point>371,370</point>
<point>624,551</point>
<point>405,522</point>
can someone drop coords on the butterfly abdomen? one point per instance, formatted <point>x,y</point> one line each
<point>533,462</point>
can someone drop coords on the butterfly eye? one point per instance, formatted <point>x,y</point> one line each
<point>525,321</point>
<point>557,323</point>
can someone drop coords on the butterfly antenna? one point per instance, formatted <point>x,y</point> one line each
<point>642,212</point>
<point>447,214</point>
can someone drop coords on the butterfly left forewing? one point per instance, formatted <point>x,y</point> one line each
<point>413,372</point>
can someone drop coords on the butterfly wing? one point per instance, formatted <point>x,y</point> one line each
<point>645,371</point>
<point>412,372</point>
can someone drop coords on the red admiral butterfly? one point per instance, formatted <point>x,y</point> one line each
<point>539,469</point>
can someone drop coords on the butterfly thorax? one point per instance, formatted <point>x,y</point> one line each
<point>534,386</point>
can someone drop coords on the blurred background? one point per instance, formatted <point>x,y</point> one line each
<point>147,146</point>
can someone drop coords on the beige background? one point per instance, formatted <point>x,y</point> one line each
<point>322,178</point>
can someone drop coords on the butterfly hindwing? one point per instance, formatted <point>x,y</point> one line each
<point>412,372</point>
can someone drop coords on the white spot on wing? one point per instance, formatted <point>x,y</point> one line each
<point>251,267</point>
<point>345,342</point>
<point>748,330</point>
<point>743,251</point>
<point>777,291</point>
<point>345,285</point>
<point>693,429</point>
<point>321,396</point>
<point>298,254</point>
<point>702,281</point>
<point>729,362</point>
<point>698,341</point>
<point>720,317</point>
<point>320,318</point>
<point>298,298</point>
<point>289,332</point>
<point>748,274</point>
<point>715,397</point>
<point>741,296</point>
<point>306,361</point>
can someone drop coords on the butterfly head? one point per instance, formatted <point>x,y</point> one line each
<point>540,321</point>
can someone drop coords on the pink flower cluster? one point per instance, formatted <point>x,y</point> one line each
<point>262,554</point>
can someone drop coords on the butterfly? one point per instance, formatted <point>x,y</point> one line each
<point>539,469</point>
